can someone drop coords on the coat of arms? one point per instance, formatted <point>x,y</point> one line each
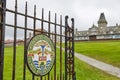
<point>40,55</point>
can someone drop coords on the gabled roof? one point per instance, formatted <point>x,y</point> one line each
<point>93,27</point>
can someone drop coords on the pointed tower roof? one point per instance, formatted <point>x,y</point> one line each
<point>102,19</point>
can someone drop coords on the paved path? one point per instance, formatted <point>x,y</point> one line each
<point>100,65</point>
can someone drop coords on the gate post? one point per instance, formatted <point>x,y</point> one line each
<point>73,68</point>
<point>2,35</point>
<point>66,29</point>
<point>69,50</point>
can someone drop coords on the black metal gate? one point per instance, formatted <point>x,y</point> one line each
<point>13,63</point>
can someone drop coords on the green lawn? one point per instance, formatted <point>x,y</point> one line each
<point>87,72</point>
<point>83,70</point>
<point>107,51</point>
<point>8,59</point>
<point>8,62</point>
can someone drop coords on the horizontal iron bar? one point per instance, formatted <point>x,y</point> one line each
<point>12,11</point>
<point>19,27</point>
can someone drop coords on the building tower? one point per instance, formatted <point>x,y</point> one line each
<point>102,24</point>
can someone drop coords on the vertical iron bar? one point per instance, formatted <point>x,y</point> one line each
<point>25,42</point>
<point>49,36</point>
<point>41,78</point>
<point>61,47</point>
<point>49,24</point>
<point>55,47</point>
<point>51,77</point>
<point>34,19</point>
<point>2,35</point>
<point>34,26</point>
<point>66,26</point>
<point>42,20</point>
<point>73,73</point>
<point>69,53</point>
<point>33,77</point>
<point>14,45</point>
<point>42,28</point>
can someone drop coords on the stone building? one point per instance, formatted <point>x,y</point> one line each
<point>102,31</point>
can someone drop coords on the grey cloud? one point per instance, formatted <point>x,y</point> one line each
<point>85,12</point>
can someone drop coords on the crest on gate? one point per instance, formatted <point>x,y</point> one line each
<point>40,55</point>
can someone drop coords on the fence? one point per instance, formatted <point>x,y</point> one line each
<point>13,60</point>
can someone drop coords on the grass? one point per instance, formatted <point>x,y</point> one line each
<point>87,72</point>
<point>107,51</point>
<point>83,70</point>
<point>8,62</point>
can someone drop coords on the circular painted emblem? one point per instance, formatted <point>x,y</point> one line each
<point>40,55</point>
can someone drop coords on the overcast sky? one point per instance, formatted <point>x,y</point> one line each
<point>85,12</point>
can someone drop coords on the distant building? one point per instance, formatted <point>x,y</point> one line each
<point>102,31</point>
<point>52,35</point>
<point>9,42</point>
